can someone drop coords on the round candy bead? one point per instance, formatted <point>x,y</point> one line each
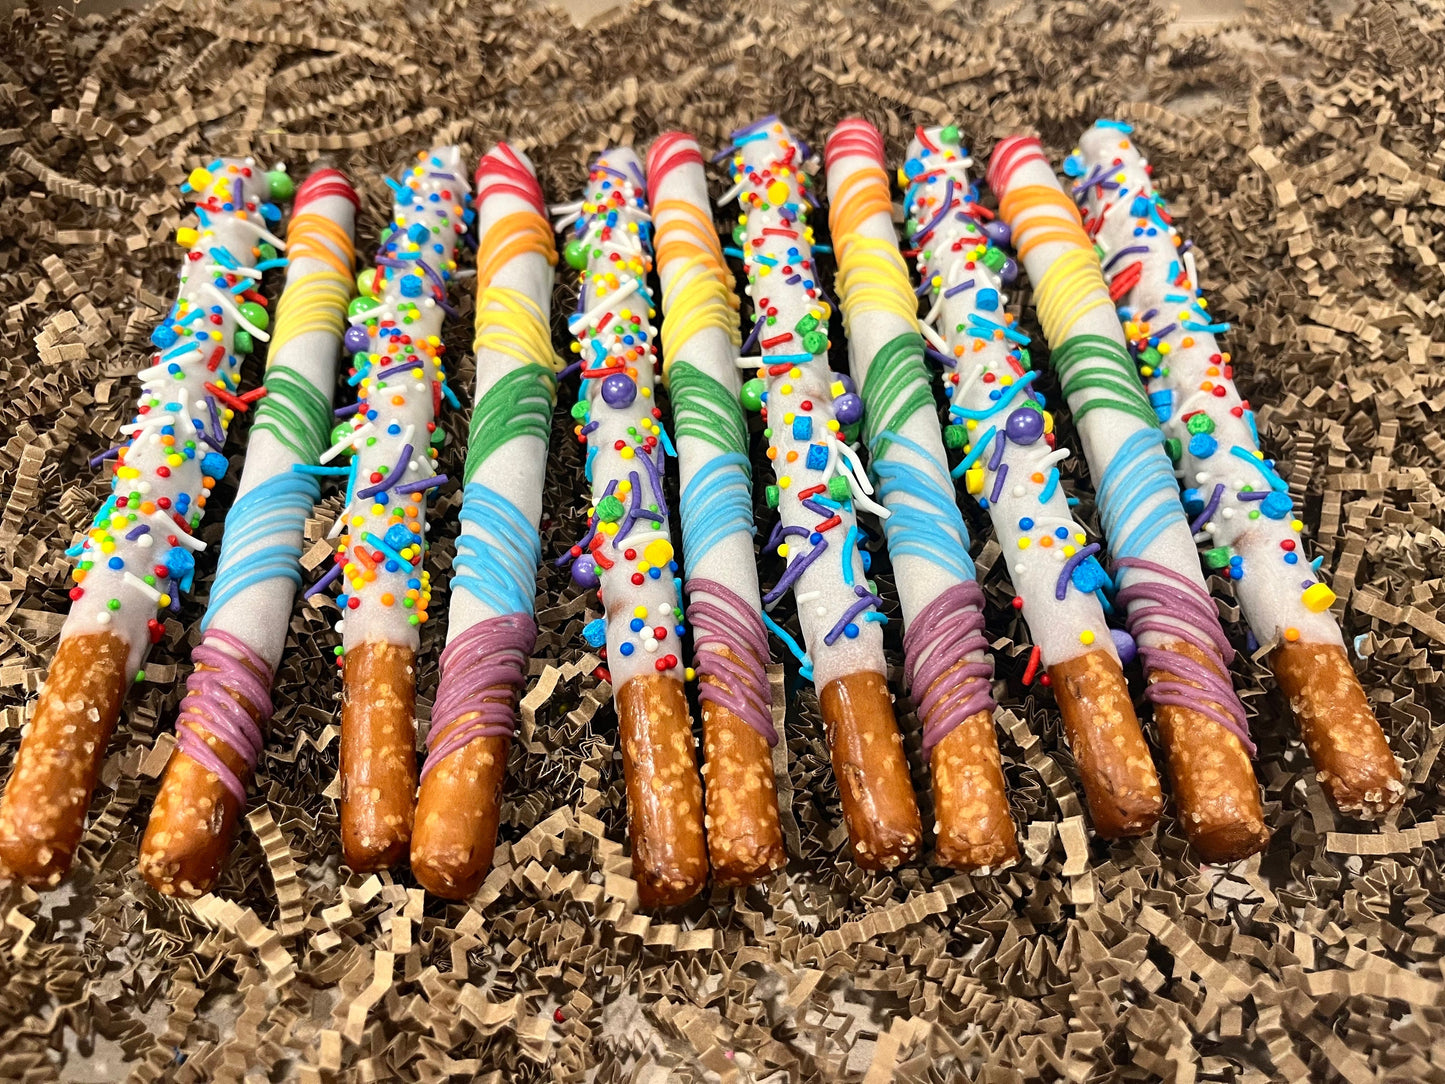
<point>618,390</point>
<point>575,253</point>
<point>256,314</point>
<point>1009,272</point>
<point>279,184</point>
<point>752,394</point>
<point>340,433</point>
<point>584,572</point>
<point>356,339</point>
<point>1025,425</point>
<point>997,232</point>
<point>849,408</point>
<point>1124,644</point>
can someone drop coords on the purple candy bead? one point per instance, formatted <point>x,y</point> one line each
<point>1124,644</point>
<point>997,231</point>
<point>1009,272</point>
<point>618,390</point>
<point>1025,425</point>
<point>846,381</point>
<point>357,339</point>
<point>848,408</point>
<point>584,572</point>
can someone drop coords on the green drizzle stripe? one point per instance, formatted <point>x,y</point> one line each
<point>516,406</point>
<point>295,413</point>
<point>703,408</point>
<point>895,387</point>
<point>1098,364</point>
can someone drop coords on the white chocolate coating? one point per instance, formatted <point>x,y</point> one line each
<point>516,470</point>
<point>405,323</point>
<point>254,609</point>
<point>967,314</point>
<point>768,170</point>
<point>614,333</point>
<point>121,590</point>
<point>1190,380</point>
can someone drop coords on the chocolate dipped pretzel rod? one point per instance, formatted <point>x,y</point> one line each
<point>139,554</point>
<point>627,550</point>
<point>819,482</point>
<point>491,630</point>
<point>1166,603</point>
<point>946,652</point>
<point>700,346</point>
<point>397,363</point>
<point>221,726</point>
<point>1239,506</point>
<point>1011,467</point>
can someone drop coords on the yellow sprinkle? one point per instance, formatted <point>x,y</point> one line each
<point>1023,543</point>
<point>1317,598</point>
<point>1086,637</point>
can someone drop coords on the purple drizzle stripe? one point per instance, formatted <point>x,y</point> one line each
<point>1169,606</point>
<point>481,671</point>
<point>944,634</point>
<point>721,619</point>
<point>210,707</point>
<point>392,478</point>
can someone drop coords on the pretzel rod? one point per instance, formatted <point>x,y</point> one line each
<point>627,551</point>
<point>946,652</point>
<point>819,482</point>
<point>220,729</point>
<point>1239,506</point>
<point>1011,467</point>
<point>397,365</point>
<point>700,346</point>
<point>491,630</point>
<point>139,554</point>
<point>1159,586</point>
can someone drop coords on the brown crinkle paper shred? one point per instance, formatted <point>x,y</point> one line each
<point>1302,151</point>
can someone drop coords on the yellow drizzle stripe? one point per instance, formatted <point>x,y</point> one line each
<point>871,274</point>
<point>1071,287</point>
<point>508,321</point>
<point>316,301</point>
<point>694,302</point>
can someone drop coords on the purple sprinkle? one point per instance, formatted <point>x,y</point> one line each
<point>391,479</point>
<point>793,571</point>
<point>998,480</point>
<point>793,280</point>
<point>952,290</point>
<point>136,532</point>
<point>332,575</point>
<point>99,459</point>
<point>421,484</point>
<point>1252,495</point>
<point>346,411</point>
<point>924,287</point>
<point>998,450</point>
<point>1142,250</point>
<point>1061,589</point>
<point>933,223</point>
<point>942,359</point>
<point>1209,508</point>
<point>851,612</point>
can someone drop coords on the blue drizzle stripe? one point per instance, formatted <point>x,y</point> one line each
<point>500,569</point>
<point>935,533</point>
<point>716,504</point>
<point>1139,486</point>
<point>279,504</point>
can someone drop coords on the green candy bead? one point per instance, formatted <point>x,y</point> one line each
<point>1218,557</point>
<point>361,305</point>
<point>256,314</point>
<point>949,134</point>
<point>839,489</point>
<point>243,342</point>
<point>340,433</point>
<point>366,282</point>
<point>280,185</point>
<point>772,494</point>
<point>268,251</point>
<point>1174,449</point>
<point>752,394</point>
<point>815,342</point>
<point>954,436</point>
<point>1025,361</point>
<point>575,253</point>
<point>579,410</point>
<point>808,323</point>
<point>438,437</point>
<point>1200,423</point>
<point>993,258</point>
<point>610,509</point>
<point>740,235</point>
